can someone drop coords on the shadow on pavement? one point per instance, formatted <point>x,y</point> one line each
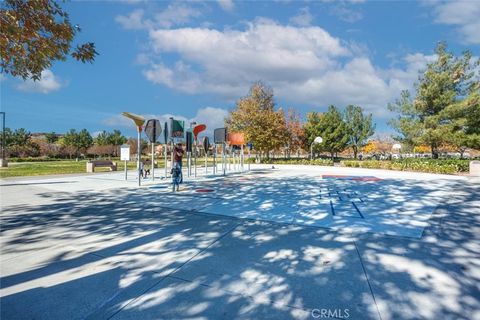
<point>119,253</point>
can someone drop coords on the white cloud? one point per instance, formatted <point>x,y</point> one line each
<point>303,19</point>
<point>303,65</point>
<point>345,13</point>
<point>212,117</point>
<point>142,59</point>
<point>462,14</point>
<point>230,59</point>
<point>175,14</point>
<point>227,5</point>
<point>180,77</point>
<point>48,83</point>
<point>118,121</point>
<point>133,21</point>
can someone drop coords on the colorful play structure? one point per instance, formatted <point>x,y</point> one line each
<point>227,149</point>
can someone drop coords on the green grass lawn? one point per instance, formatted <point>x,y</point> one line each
<point>20,169</point>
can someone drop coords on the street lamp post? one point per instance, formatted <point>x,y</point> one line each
<point>317,140</point>
<point>397,147</point>
<point>139,121</point>
<point>3,161</point>
<point>189,153</point>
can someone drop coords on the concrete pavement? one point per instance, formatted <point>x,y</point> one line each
<point>80,249</point>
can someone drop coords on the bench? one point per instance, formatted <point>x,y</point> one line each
<point>91,165</point>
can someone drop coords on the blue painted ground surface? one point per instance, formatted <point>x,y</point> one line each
<point>348,199</point>
<point>383,204</point>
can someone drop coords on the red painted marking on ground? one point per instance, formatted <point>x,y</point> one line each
<point>204,190</point>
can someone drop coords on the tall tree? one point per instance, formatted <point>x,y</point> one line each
<point>311,130</point>
<point>333,130</point>
<point>21,137</point>
<point>70,141</point>
<point>33,34</point>
<point>460,123</point>
<point>256,117</point>
<point>102,139</point>
<point>408,123</point>
<point>445,82</point>
<point>85,140</point>
<point>359,127</point>
<point>331,127</point>
<point>116,138</point>
<point>79,141</point>
<point>296,134</point>
<point>19,143</point>
<point>9,137</point>
<point>51,137</point>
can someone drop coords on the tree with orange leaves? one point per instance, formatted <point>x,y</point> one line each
<point>296,134</point>
<point>35,33</point>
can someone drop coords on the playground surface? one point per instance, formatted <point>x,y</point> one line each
<point>291,242</point>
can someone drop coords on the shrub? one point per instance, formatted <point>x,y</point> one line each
<point>316,162</point>
<point>445,166</point>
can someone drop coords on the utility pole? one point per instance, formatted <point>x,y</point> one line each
<point>3,161</point>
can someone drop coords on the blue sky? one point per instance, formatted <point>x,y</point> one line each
<point>193,60</point>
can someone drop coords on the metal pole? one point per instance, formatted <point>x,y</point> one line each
<point>249,156</point>
<point>125,170</point>
<point>153,159</point>
<point>189,154</point>
<point>242,157</point>
<point>3,136</point>
<point>188,163</point>
<point>229,160</point>
<point>166,159</point>
<point>311,151</point>
<point>195,159</point>
<point>224,159</point>
<point>206,165</point>
<point>139,152</point>
<point>173,151</point>
<point>214,158</point>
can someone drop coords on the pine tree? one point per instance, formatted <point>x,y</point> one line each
<point>331,127</point>
<point>445,82</point>
<point>359,127</point>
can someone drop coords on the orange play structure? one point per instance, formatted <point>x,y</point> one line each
<point>236,138</point>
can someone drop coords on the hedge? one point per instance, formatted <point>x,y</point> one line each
<point>317,162</point>
<point>445,166</point>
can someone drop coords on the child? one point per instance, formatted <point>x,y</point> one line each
<point>177,158</point>
<point>143,170</point>
<point>176,176</point>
